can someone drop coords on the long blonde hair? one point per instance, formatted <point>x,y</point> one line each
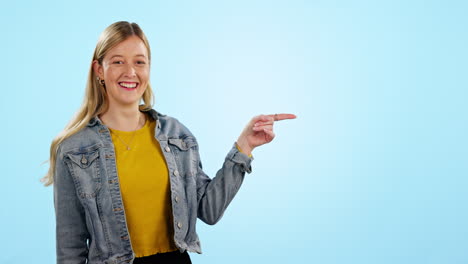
<point>95,101</point>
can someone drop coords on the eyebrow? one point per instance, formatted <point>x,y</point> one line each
<point>138,55</point>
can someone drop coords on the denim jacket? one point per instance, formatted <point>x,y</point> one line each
<point>90,216</point>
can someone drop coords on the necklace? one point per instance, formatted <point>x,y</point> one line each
<point>133,134</point>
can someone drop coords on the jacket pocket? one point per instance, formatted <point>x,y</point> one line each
<point>185,154</point>
<point>84,167</point>
<point>183,144</point>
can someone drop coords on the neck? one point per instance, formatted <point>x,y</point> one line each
<point>123,119</point>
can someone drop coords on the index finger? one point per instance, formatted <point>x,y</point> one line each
<point>278,117</point>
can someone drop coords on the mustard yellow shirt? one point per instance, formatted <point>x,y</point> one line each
<point>144,184</point>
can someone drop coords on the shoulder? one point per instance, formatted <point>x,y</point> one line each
<point>173,127</point>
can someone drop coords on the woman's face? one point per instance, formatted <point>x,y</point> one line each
<point>125,71</point>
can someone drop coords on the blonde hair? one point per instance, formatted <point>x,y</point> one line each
<point>95,101</point>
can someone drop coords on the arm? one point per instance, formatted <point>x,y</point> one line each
<point>215,195</point>
<point>71,231</point>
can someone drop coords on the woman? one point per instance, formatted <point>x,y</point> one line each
<point>128,181</point>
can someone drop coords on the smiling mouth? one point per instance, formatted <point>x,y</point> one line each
<point>128,85</point>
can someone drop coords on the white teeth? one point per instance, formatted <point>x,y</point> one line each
<point>128,85</point>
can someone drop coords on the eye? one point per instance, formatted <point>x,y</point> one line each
<point>117,62</point>
<point>141,62</point>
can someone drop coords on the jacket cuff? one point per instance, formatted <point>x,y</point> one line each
<point>240,158</point>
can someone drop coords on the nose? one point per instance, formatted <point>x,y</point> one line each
<point>130,71</point>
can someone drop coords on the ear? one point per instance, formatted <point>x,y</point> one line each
<point>98,70</point>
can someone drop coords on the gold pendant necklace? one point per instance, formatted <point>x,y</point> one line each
<point>128,145</point>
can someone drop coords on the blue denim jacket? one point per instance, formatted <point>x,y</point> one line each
<point>90,216</point>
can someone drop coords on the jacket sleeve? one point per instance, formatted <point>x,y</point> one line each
<point>71,231</point>
<point>214,195</point>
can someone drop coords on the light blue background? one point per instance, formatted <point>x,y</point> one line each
<point>373,170</point>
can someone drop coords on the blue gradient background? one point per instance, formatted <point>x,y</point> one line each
<point>374,170</point>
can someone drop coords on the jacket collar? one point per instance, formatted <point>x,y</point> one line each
<point>94,120</point>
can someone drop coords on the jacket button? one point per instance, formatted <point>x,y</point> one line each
<point>84,160</point>
<point>176,173</point>
<point>168,149</point>
<point>179,225</point>
<point>177,199</point>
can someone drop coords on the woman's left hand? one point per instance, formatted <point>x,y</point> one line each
<point>259,131</point>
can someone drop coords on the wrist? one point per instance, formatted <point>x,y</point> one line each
<point>244,148</point>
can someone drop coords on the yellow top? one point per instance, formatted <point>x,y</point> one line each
<point>144,184</point>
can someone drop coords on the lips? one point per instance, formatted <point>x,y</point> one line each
<point>129,86</point>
